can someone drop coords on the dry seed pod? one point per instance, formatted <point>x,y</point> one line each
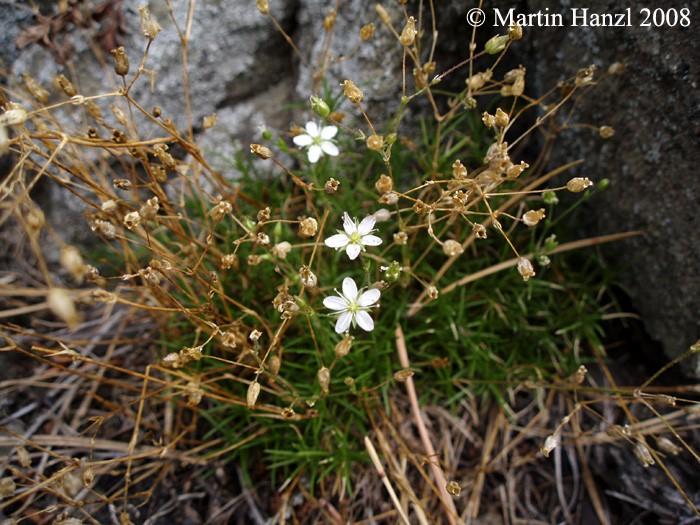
<point>606,132</point>
<point>453,488</point>
<point>324,379</point>
<point>452,248</point>
<point>578,184</point>
<point>252,394</point>
<point>65,85</point>
<point>343,347</point>
<point>23,457</point>
<point>375,142</point>
<point>550,444</point>
<point>7,487</point>
<point>532,217</point>
<point>121,61</point>
<point>61,304</point>
<point>384,184</point>
<point>402,375</point>
<point>261,151</point>
<point>263,6</point>
<point>525,268</point>
<point>281,249</point>
<point>352,92</point>
<point>408,34</point>
<point>149,25</point>
<point>308,227</point>
<point>367,32</point>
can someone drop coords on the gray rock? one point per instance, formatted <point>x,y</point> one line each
<point>651,161</point>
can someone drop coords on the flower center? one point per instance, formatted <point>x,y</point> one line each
<point>356,238</point>
<point>354,307</point>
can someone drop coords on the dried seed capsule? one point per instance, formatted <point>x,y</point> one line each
<point>352,92</point>
<point>252,394</point>
<point>525,268</point>
<point>532,217</point>
<point>261,151</point>
<point>367,32</point>
<point>578,184</point>
<point>452,248</point>
<point>149,25</point>
<point>65,85</point>
<point>408,34</point>
<point>308,227</point>
<point>324,379</point>
<point>384,184</point>
<point>121,61</point>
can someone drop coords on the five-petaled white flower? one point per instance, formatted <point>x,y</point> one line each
<point>318,140</point>
<point>351,306</point>
<point>355,237</point>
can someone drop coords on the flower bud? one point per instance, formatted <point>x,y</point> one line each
<point>496,44</point>
<point>319,106</point>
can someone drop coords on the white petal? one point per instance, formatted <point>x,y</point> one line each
<point>312,128</point>
<point>330,148</point>
<point>343,323</point>
<point>339,240</point>
<point>328,132</point>
<point>365,321</point>
<point>334,302</point>
<point>348,224</point>
<point>349,289</point>
<point>303,140</point>
<point>353,250</point>
<point>366,225</point>
<point>314,154</point>
<point>371,240</point>
<point>368,298</point>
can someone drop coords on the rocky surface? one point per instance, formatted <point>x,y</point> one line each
<point>241,68</point>
<point>651,161</point>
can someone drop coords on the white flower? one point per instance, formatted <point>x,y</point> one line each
<point>355,237</point>
<point>351,306</point>
<point>318,140</point>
